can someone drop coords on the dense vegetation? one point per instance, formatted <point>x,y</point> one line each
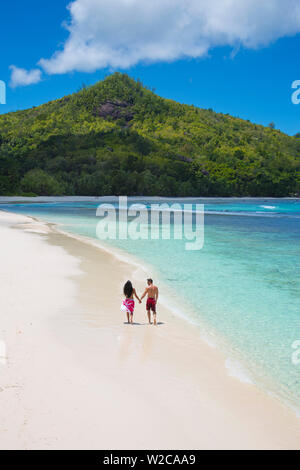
<point>118,137</point>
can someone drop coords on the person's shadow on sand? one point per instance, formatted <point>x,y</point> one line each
<point>142,324</point>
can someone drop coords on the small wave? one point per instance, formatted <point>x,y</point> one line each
<point>246,214</point>
<point>236,370</point>
<point>271,208</point>
<point>209,340</point>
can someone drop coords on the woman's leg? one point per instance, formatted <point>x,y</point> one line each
<point>131,318</point>
<point>128,317</point>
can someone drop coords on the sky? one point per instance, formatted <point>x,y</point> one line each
<point>235,56</point>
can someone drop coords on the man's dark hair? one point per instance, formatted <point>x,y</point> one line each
<point>150,281</point>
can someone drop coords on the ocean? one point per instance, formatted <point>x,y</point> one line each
<point>242,290</point>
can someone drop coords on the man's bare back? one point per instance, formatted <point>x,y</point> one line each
<point>152,292</point>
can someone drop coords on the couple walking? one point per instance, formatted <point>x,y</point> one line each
<point>128,305</point>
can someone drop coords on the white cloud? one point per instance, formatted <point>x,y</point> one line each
<point>22,77</point>
<point>122,33</point>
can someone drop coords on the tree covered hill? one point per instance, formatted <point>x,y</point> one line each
<point>118,137</point>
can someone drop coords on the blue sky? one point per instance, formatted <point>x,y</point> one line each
<point>243,77</point>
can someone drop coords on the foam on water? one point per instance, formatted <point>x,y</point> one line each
<point>238,371</point>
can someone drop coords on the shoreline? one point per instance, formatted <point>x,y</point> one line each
<point>51,199</point>
<point>174,384</point>
<point>235,366</point>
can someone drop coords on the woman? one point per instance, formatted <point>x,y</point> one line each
<point>128,304</point>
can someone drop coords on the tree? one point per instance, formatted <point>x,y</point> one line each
<point>40,183</point>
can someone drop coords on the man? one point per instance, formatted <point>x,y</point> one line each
<point>152,292</point>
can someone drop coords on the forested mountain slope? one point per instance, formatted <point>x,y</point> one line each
<point>118,137</point>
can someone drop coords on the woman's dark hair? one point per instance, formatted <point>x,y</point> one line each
<point>128,289</point>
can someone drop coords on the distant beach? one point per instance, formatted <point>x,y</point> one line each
<point>76,377</point>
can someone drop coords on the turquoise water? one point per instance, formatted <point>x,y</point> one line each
<point>242,288</point>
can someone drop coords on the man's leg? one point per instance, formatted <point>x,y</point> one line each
<point>154,318</point>
<point>149,316</point>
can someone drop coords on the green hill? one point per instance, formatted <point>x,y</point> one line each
<point>118,137</point>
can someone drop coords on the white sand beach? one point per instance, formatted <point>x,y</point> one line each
<point>74,376</point>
